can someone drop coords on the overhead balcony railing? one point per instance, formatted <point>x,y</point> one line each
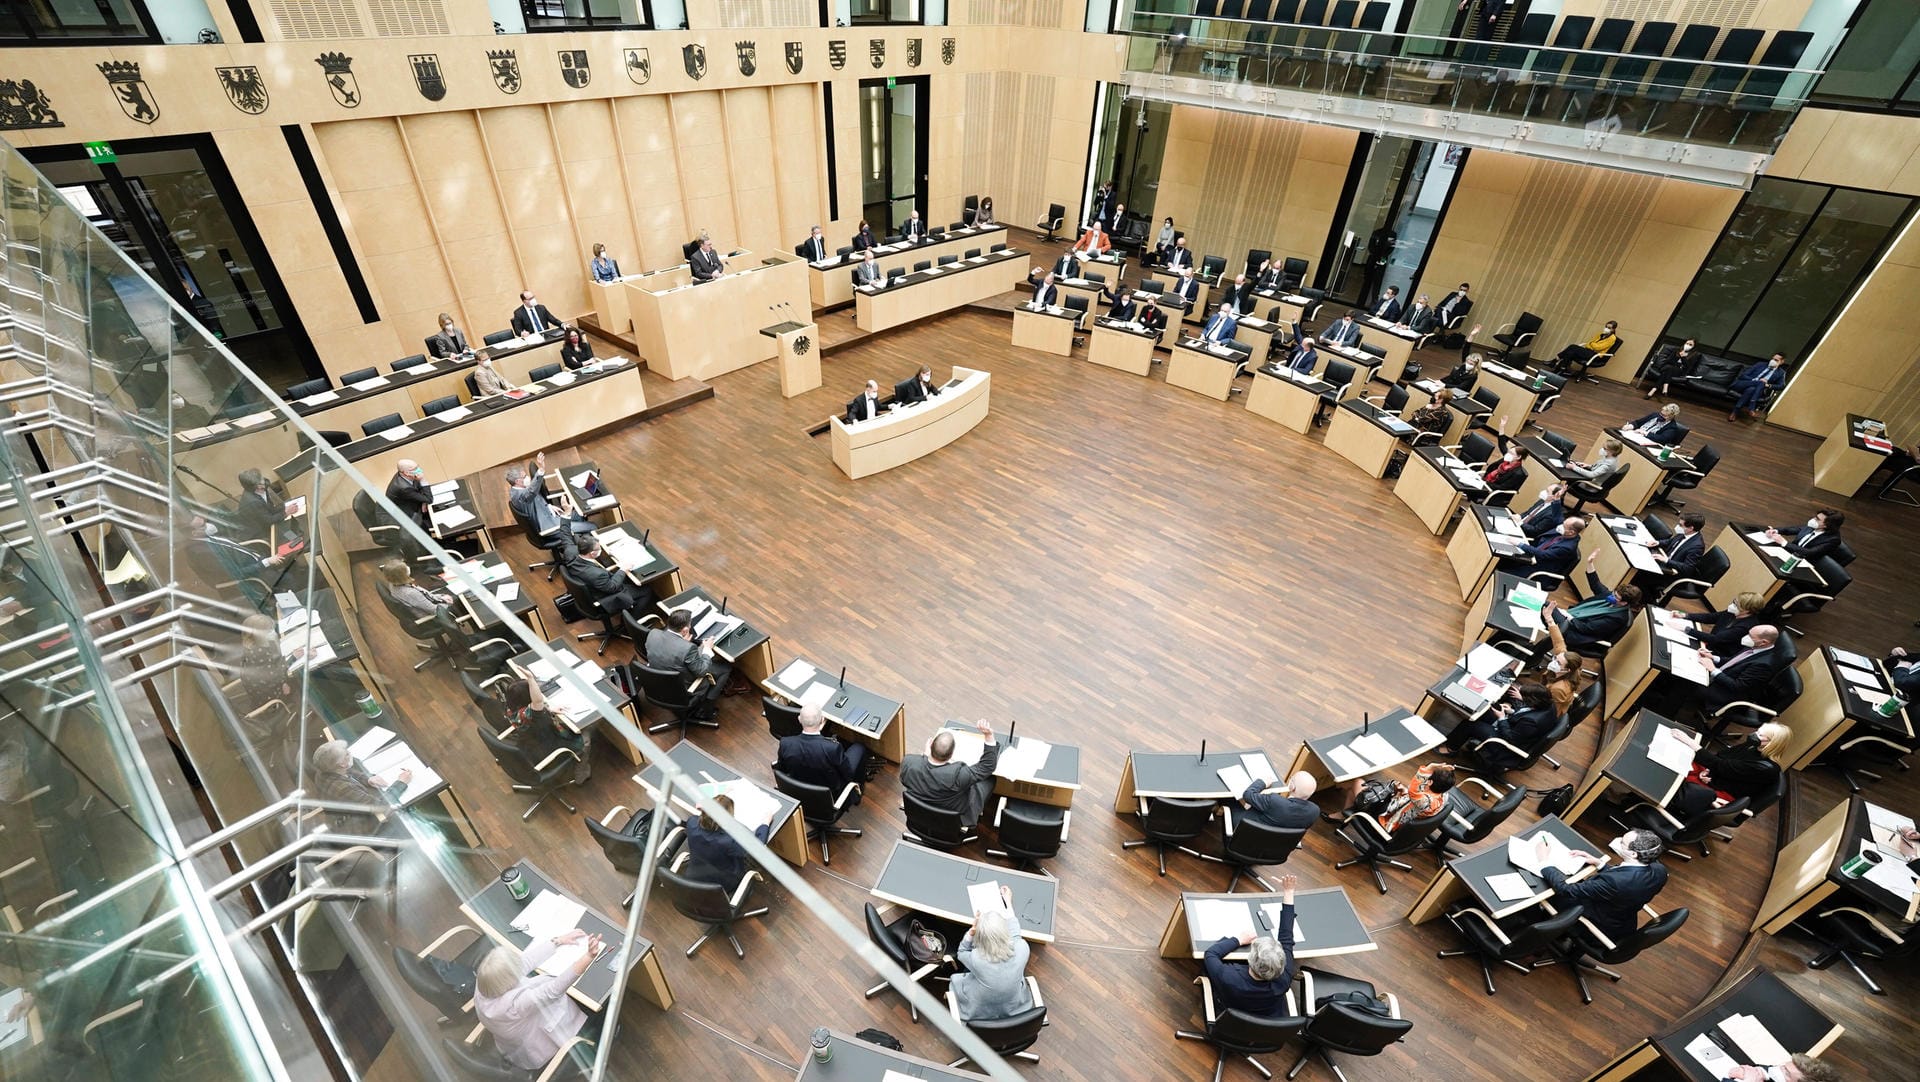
<point>1702,120</point>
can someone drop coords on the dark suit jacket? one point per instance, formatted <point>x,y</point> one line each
<point>1740,680</point>
<point>950,786</point>
<point>1683,553</point>
<point>1905,681</point>
<point>1241,298</point>
<point>1667,432</point>
<point>1461,306</point>
<point>1543,516</point>
<point>1152,318</point>
<point>1188,291</point>
<point>914,228</point>
<point>1807,544</point>
<point>1269,279</point>
<point>1179,257</point>
<point>255,516</point>
<point>1387,310</point>
<point>1122,312</point>
<point>1066,267</point>
<point>1303,359</point>
<point>919,391</point>
<point>717,858</point>
<point>1611,897</point>
<point>705,265</point>
<point>1724,630</point>
<point>864,240</point>
<point>1044,294</point>
<point>1522,729</point>
<point>1278,809</point>
<point>1762,372</point>
<point>1420,319</point>
<point>1594,624</point>
<point>813,249</point>
<point>441,345</point>
<point>1341,333</point>
<point>1553,552</point>
<point>612,590</point>
<point>1234,989</point>
<point>859,410</point>
<point>410,496</point>
<point>819,759</point>
<point>521,324</point>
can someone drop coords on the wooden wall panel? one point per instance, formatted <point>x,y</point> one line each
<point>1857,150</point>
<point>591,168</point>
<point>700,142</point>
<point>653,180</point>
<point>751,169</point>
<point>799,162</point>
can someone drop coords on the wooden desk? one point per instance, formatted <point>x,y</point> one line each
<point>1365,365</point>
<point>610,303</point>
<point>1465,878</point>
<point>1807,871</point>
<point>854,1060</point>
<point>1198,369</point>
<point>704,330</point>
<point>1365,435</point>
<point>1323,756</point>
<point>1649,471</point>
<point>874,720</point>
<point>1181,774</point>
<point>1326,915</point>
<point>1751,570</point>
<point>1084,289</point>
<point>1049,330</point>
<point>658,573</point>
<point>1395,342</point>
<point>897,437</point>
<point>1834,706</point>
<point>1053,784</point>
<point>830,284</point>
<point>1618,544</point>
<point>1257,335</point>
<point>1292,306</point>
<point>1517,390</point>
<point>1623,760</point>
<point>748,650</point>
<point>1491,616</point>
<point>1844,460</point>
<point>1118,345</point>
<point>530,665</point>
<point>493,909</point>
<point>941,289</point>
<point>1641,656</point>
<point>1432,484</point>
<point>491,567</point>
<point>932,882</point>
<point>1279,396</point>
<point>788,834</point>
<point>1796,1024</point>
<point>1471,549</point>
<point>1462,409</point>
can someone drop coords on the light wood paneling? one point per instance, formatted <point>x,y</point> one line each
<point>1857,150</point>
<point>1869,361</point>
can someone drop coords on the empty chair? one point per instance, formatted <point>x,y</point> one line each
<point>844,251</point>
<point>1171,822</point>
<point>1564,445</point>
<point>1077,307</point>
<point>1475,449</point>
<point>1704,460</point>
<point>687,705</point>
<point>1029,832</point>
<point>1255,257</point>
<point>1517,337</point>
<point>625,846</point>
<point>821,809</point>
<point>892,941</point>
<point>1375,846</point>
<point>544,779</point>
<point>946,259</point>
<point>1341,375</point>
<point>497,337</point>
<point>1211,268</point>
<point>310,387</point>
<point>1850,934</point>
<point>1488,942</point>
<point>381,424</point>
<point>544,371</point>
<point>713,905</point>
<point>1581,77</point>
<point>1151,285</point>
<point>1584,950</point>
<point>359,375</point>
<point>935,827</point>
<point>1254,843</point>
<point>1551,385</point>
<point>955,227</point>
<point>1798,598</point>
<point>1011,1036</point>
<point>1487,397</point>
<point>1235,1032</point>
<point>405,363</point>
<point>450,999</point>
<point>439,405</point>
<point>1673,74</point>
<point>997,248</point>
<point>924,264</point>
<point>970,253</point>
<point>1334,1025</point>
<point>1056,216</point>
<point>1293,272</point>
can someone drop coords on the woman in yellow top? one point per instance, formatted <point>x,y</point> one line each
<point>1607,341</point>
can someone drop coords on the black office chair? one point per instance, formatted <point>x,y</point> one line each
<point>359,375</point>
<point>1704,460</point>
<point>1488,942</point>
<point>381,424</point>
<point>1843,554</point>
<point>715,906</point>
<point>970,253</point>
<point>946,260</point>
<point>434,633</point>
<point>1394,401</point>
<point>1852,755</point>
<point>1850,934</point>
<point>1584,493</point>
<point>1254,843</point>
<point>1151,285</point>
<point>1172,822</point>
<point>1056,216</point>
<point>1029,832</point>
<point>782,720</point>
<point>924,264</point>
<point>933,826</point>
<point>590,607</point>
<point>1484,764</point>
<point>892,941</point>
<point>1337,1026</point>
<point>1374,846</point>
<point>544,371</point>
<point>893,238</point>
<point>544,779</point>
<point>1551,385</point>
<point>970,208</point>
<point>555,543</point>
<point>821,809</point>
<point>1489,398</point>
<point>473,386</point>
<point>843,251</point>
<point>1011,1036</point>
<point>1474,449</point>
<point>997,248</point>
<point>1712,567</point>
<point>1693,831</point>
<point>497,337</point>
<point>625,846</point>
<point>1477,825</point>
<point>1581,369</point>
<point>1584,950</point>
<point>310,387</point>
<point>1235,1032</point>
<point>1782,689</point>
<point>381,528</point>
<point>1563,446</point>
<point>439,405</point>
<point>483,1062</point>
<point>686,705</point>
<point>1799,599</point>
<point>1255,257</point>
<point>450,999</point>
<point>1293,272</point>
<point>405,363</point>
<point>1517,337</point>
<point>1077,307</point>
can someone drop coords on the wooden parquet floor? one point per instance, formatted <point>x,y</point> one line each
<point>1118,564</point>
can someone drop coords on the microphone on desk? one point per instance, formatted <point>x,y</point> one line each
<point>645,534</point>
<point>1011,726</point>
<point>1203,751</point>
<point>843,676</point>
<point>1363,722</point>
<point>723,604</point>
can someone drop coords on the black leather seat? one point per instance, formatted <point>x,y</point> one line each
<point>933,826</point>
<point>717,907</point>
<point>1234,1032</point>
<point>1254,843</point>
<point>1488,941</point>
<point>544,779</point>
<point>1584,950</point>
<point>687,705</point>
<point>821,809</point>
<point>1171,822</point>
<point>1028,832</point>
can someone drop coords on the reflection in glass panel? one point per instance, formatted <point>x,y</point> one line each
<point>62,19</point>
<point>1841,243</point>
<point>1877,56</point>
<point>1746,257</point>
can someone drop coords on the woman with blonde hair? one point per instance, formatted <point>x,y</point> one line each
<point>603,268</point>
<point>1751,769</point>
<point>530,1014</point>
<point>995,956</point>
<point>1726,627</point>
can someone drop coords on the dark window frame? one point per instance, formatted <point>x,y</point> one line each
<point>26,38</point>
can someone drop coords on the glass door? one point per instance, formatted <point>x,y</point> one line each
<point>1395,213</point>
<point>893,151</point>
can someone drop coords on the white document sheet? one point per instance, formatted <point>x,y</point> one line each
<point>1671,750</point>
<point>1211,918</point>
<point>1376,749</point>
<point>1889,874</point>
<point>1752,1037</point>
<point>818,696</point>
<point>1521,853</point>
<point>15,1031</point>
<point>1687,666</point>
<point>1348,762</point>
<point>1526,619</point>
<point>444,487</point>
<point>450,518</point>
<point>968,745</point>
<point>562,958</point>
<point>369,384</point>
<point>752,805</point>
<point>1673,634</point>
<point>457,413</point>
<point>796,674</point>
<point>1709,1056</point>
<point>1486,659</point>
<point>1848,657</point>
<point>396,434</point>
<point>1257,767</point>
<point>1509,887</point>
<point>1024,760</point>
<point>1758,537</point>
<point>549,915</point>
<point>985,898</point>
<point>507,591</point>
<point>1776,552</point>
<point>1424,733</point>
<point>374,739</point>
<point>1860,679</point>
<point>320,399</point>
<point>1235,778</point>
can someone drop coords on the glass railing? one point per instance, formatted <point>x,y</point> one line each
<point>1733,106</point>
<point>208,850</point>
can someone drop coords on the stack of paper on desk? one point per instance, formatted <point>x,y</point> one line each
<point>1347,761</point>
<point>1752,1037</point>
<point>1671,749</point>
<point>968,745</point>
<point>752,805</point>
<point>450,518</point>
<point>373,740</point>
<point>1527,619</point>
<point>1376,749</point>
<point>1509,887</point>
<point>818,696</point>
<point>1508,525</point>
<point>1024,760</point>
<point>1486,659</point>
<point>985,898</point>
<point>1234,778</point>
<point>1423,732</point>
<point>549,915</point>
<point>1848,657</point>
<point>1213,918</point>
<point>396,757</point>
<point>1521,853</point>
<point>1686,664</point>
<point>796,674</point>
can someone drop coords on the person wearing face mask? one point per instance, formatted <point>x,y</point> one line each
<point>1239,295</point>
<point>1724,629</point>
<point>1509,471</point>
<point>489,380</point>
<point>1680,553</point>
<point>449,342</point>
<point>260,510</point>
<point>1602,618</point>
<point>1343,332</point>
<point>1554,551</point>
<point>1601,468</point>
<point>1756,384</point>
<point>1605,342</point>
<point>1740,677</point>
<point>1436,415</point>
<point>1662,426</point>
<point>866,407</point>
<point>1561,670</point>
<point>408,491</point>
<point>1546,512</point>
<point>1905,671</point>
<point>1819,537</point>
<point>1674,361</point>
<point>1387,308</point>
<point>1162,244</point>
<point>1464,374</point>
<point>532,317</point>
<point>1421,318</point>
<point>1611,897</point>
<point>1750,768</point>
<point>603,268</point>
<point>1520,719</point>
<point>576,352</point>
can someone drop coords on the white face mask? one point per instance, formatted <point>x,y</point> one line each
<point>1511,457</point>
<point>1555,665</point>
<point>1813,523</point>
<point>1747,641</point>
<point>1619,847</point>
<point>212,529</point>
<point>1546,494</point>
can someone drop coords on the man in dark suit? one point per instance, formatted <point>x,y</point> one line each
<point>1612,897</point>
<point>674,648</point>
<point>241,561</point>
<point>1680,553</point>
<point>921,389</point>
<point>867,271</point>
<point>1421,318</point>
<point>1259,986</point>
<point>1269,278</point>
<point>527,500</point>
<point>1757,383</point>
<point>1454,304</point>
<point>532,317</point>
<point>1067,266</point>
<point>1546,512</point>
<point>1045,293</point>
<point>1556,551</point>
<point>1289,806</point>
<point>408,491</point>
<point>1239,295</point>
<point>1661,426</point>
<point>1303,357</point>
<point>940,782</point>
<point>818,759</point>
<point>865,407</point>
<point>705,263</point>
<point>1180,256</point>
<point>1220,326</point>
<point>1123,309</point>
<point>1387,308</point>
<point>1905,671</point>
<point>814,248</point>
<point>450,342</point>
<point>259,510</point>
<point>1819,537</point>
<point>1602,617</point>
<point>1104,204</point>
<point>612,590</point>
<point>1522,719</point>
<point>1187,288</point>
<point>1344,332</point>
<point>1743,675</point>
<point>913,228</point>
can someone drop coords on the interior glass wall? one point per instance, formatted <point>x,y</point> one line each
<point>1877,61</point>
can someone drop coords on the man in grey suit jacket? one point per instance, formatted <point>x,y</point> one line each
<point>956,787</point>
<point>706,263</point>
<point>673,648</point>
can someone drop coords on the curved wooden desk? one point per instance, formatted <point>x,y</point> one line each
<point>869,447</point>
